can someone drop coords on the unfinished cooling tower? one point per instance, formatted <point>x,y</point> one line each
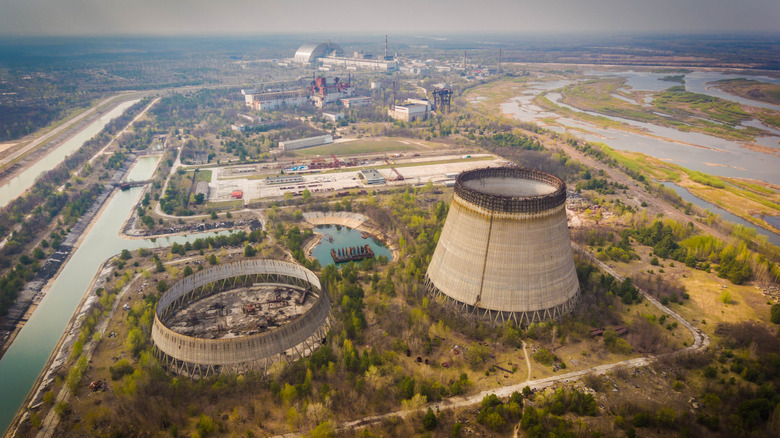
<point>505,251</point>
<point>240,317</point>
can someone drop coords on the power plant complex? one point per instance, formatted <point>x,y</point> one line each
<point>505,252</point>
<point>240,317</point>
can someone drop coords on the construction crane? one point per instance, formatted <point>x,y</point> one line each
<point>400,177</point>
<point>336,161</point>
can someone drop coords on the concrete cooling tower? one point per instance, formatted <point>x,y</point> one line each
<point>505,251</point>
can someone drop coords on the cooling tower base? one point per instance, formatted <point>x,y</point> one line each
<point>500,317</point>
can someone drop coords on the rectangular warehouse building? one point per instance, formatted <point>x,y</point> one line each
<point>356,101</point>
<point>308,142</point>
<point>284,179</point>
<point>409,112</point>
<point>273,100</point>
<point>372,176</point>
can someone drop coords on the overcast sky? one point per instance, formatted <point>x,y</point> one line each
<point>208,17</point>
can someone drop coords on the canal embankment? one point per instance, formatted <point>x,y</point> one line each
<point>35,289</point>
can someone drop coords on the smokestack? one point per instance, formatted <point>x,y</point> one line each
<point>499,61</point>
<point>385,47</point>
<point>464,60</point>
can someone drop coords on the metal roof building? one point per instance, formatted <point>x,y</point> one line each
<point>310,52</point>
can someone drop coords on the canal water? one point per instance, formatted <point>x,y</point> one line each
<point>25,180</point>
<point>27,356</point>
<point>344,237</point>
<point>774,238</point>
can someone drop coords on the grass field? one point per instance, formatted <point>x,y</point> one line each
<point>224,204</point>
<point>203,175</point>
<point>360,147</point>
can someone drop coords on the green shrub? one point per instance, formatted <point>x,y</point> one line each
<point>544,357</point>
<point>120,369</point>
<point>429,420</point>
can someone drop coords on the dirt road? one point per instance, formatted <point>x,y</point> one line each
<point>700,341</point>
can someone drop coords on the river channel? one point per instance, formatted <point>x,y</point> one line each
<point>27,356</point>
<point>684,193</point>
<point>692,150</point>
<point>25,180</point>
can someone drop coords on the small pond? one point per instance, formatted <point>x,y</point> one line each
<point>338,237</point>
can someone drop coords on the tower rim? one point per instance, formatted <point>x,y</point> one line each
<point>511,203</point>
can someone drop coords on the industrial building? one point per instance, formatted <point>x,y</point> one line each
<point>310,53</point>
<point>360,62</point>
<point>332,55</point>
<point>371,176</point>
<point>505,252</point>
<point>409,112</point>
<point>356,101</point>
<point>308,142</point>
<point>240,317</point>
<point>332,117</point>
<point>329,90</point>
<point>284,179</point>
<point>275,99</point>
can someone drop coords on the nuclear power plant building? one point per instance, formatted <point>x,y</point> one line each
<point>505,252</point>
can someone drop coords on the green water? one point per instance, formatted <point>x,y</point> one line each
<point>344,237</point>
<point>26,357</point>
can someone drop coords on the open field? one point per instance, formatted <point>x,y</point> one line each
<point>203,175</point>
<point>360,147</point>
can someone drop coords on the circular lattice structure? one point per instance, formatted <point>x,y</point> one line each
<point>505,251</point>
<point>250,335</point>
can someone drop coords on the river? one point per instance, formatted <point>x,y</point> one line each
<point>692,150</point>
<point>684,193</point>
<point>28,354</point>
<point>18,184</point>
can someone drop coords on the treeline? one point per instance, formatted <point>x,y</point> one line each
<point>736,262</point>
<point>680,243</point>
<point>527,152</point>
<point>293,239</point>
<point>46,184</point>
<point>70,207</point>
<point>739,394</point>
<point>599,185</point>
<point>36,209</point>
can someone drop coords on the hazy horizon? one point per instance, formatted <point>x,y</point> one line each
<point>425,17</point>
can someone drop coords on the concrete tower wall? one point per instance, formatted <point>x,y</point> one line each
<point>506,257</point>
<point>195,356</point>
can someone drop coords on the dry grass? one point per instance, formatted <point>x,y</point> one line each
<point>705,303</point>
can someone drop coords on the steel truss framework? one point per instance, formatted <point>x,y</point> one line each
<point>497,317</point>
<point>259,365</point>
<point>222,284</point>
<point>199,357</point>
